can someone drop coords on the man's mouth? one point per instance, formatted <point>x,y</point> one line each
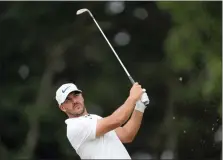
<point>77,105</point>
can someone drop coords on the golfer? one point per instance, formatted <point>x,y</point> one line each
<point>94,137</point>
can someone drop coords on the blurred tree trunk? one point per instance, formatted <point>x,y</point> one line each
<point>43,101</point>
<point>170,129</point>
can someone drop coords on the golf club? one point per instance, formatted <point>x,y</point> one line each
<point>144,98</point>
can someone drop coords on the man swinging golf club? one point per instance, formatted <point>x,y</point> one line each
<point>94,137</point>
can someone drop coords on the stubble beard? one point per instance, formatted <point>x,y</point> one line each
<point>79,114</point>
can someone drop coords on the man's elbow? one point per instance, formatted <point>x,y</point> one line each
<point>129,139</point>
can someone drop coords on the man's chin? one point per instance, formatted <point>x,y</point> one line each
<point>79,113</point>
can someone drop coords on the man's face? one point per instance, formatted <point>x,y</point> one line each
<point>74,104</point>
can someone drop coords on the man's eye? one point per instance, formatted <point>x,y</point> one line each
<point>76,94</point>
<point>67,100</point>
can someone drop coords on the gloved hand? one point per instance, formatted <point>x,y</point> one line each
<point>144,97</point>
<point>141,104</point>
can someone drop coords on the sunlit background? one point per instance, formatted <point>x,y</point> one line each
<point>173,49</point>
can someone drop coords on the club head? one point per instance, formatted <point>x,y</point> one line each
<point>80,11</point>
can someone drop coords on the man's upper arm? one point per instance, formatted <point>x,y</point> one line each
<point>106,124</point>
<point>122,135</point>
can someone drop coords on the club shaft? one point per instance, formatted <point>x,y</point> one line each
<point>129,76</point>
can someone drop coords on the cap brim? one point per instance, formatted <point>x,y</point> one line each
<point>68,92</point>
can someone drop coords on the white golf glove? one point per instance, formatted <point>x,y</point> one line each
<point>141,104</point>
<point>145,98</point>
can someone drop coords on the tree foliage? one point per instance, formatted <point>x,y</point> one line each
<point>175,53</point>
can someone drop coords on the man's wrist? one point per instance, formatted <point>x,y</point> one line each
<point>140,106</point>
<point>131,100</point>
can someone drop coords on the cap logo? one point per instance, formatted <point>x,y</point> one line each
<point>63,91</point>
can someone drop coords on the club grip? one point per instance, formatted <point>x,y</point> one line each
<point>131,80</point>
<point>144,98</point>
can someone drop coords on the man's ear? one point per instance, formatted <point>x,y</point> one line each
<point>62,108</point>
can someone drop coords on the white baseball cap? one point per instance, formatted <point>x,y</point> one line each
<point>64,90</point>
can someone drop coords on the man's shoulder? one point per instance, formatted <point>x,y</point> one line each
<point>74,125</point>
<point>74,120</point>
<point>97,116</point>
<point>81,120</point>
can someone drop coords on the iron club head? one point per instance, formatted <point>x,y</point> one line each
<point>80,11</point>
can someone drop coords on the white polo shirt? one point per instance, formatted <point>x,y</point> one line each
<point>81,133</point>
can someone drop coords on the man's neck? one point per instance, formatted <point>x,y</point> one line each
<point>72,116</point>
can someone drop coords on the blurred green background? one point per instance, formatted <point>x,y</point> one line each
<point>173,49</point>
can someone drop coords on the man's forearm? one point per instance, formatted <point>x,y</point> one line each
<point>123,113</point>
<point>133,125</point>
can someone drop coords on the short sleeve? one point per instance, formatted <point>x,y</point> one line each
<point>81,130</point>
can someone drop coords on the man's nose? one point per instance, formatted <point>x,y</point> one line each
<point>74,100</point>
